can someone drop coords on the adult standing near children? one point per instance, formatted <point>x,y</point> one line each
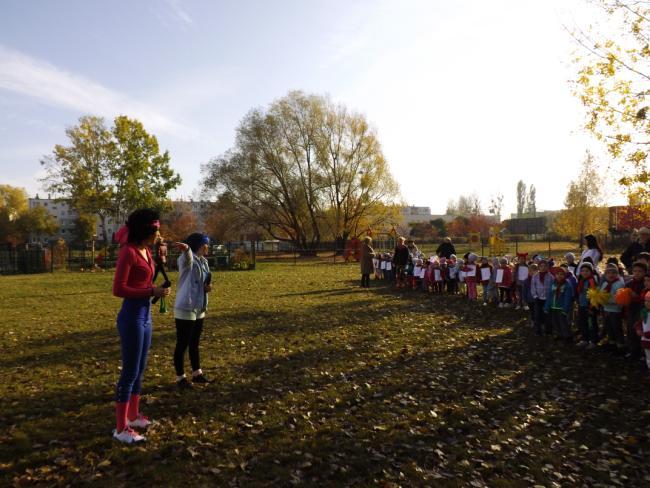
<point>194,284</point>
<point>446,249</point>
<point>160,258</point>
<point>367,265</point>
<point>133,282</point>
<point>593,251</point>
<point>400,260</point>
<point>641,244</point>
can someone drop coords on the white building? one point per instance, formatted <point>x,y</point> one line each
<point>416,215</point>
<point>66,218</point>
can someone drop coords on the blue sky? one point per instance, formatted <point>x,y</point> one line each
<point>466,96</point>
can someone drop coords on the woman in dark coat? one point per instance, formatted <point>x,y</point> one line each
<point>400,260</point>
<point>367,264</point>
<point>446,249</point>
<point>642,244</point>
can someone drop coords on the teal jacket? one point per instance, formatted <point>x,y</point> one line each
<point>559,300</point>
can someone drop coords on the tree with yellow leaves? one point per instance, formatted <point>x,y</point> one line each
<point>584,211</point>
<point>614,85</point>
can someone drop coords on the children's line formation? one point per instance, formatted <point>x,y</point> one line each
<point>575,301</point>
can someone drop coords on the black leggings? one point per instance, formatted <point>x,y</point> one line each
<point>188,333</point>
<point>365,280</point>
<point>160,268</point>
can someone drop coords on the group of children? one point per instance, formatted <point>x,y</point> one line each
<point>608,308</point>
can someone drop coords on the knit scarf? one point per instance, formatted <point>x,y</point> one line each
<point>581,284</point>
<point>559,287</point>
<point>608,286</point>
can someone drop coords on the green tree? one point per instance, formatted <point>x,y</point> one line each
<point>17,220</point>
<point>110,171</point>
<point>584,210</point>
<point>440,226</point>
<point>84,229</point>
<point>531,202</point>
<point>612,83</point>
<point>521,198</point>
<point>303,169</point>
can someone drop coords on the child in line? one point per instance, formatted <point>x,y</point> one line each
<point>485,275</point>
<point>521,281</point>
<point>559,302</point>
<point>633,310</point>
<point>470,276</point>
<point>571,263</point>
<point>612,312</point>
<point>587,315</point>
<point>462,286</point>
<point>643,330</point>
<point>528,296</point>
<point>493,290</point>
<point>504,282</point>
<point>452,275</point>
<point>539,286</point>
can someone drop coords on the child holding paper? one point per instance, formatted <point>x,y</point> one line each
<point>521,281</point>
<point>587,314</point>
<point>559,302</point>
<point>470,276</point>
<point>643,329</point>
<point>462,286</point>
<point>504,283</point>
<point>486,275</point>
<point>438,280</point>
<point>539,286</point>
<point>612,312</point>
<point>452,275</point>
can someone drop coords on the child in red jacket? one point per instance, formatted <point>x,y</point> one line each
<point>643,330</point>
<point>504,283</point>
<point>633,310</point>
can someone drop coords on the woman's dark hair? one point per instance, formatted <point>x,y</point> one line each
<point>195,241</point>
<point>592,243</point>
<point>141,224</point>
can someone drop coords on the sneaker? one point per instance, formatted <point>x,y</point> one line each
<point>183,384</point>
<point>581,344</point>
<point>591,346</point>
<point>501,305</point>
<point>517,307</point>
<point>141,422</point>
<point>526,308</point>
<point>200,378</point>
<point>128,436</point>
<point>485,304</point>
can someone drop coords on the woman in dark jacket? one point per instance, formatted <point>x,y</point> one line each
<point>400,260</point>
<point>642,244</point>
<point>446,249</point>
<point>367,265</point>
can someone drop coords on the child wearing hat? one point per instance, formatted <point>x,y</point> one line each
<point>504,283</point>
<point>539,286</point>
<point>521,281</point>
<point>587,315</point>
<point>633,310</point>
<point>559,302</point>
<point>612,312</point>
<point>643,329</point>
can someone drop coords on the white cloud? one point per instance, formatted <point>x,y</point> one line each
<point>179,13</point>
<point>43,81</point>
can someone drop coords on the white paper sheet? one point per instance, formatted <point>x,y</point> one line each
<point>471,272</point>
<point>499,278</point>
<point>485,274</point>
<point>383,265</point>
<point>416,271</point>
<point>389,265</point>
<point>522,273</point>
<point>436,275</point>
<point>422,272</point>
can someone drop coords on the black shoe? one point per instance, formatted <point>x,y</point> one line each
<point>183,384</point>
<point>200,379</point>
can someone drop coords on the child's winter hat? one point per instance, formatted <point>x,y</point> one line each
<point>611,267</point>
<point>522,255</point>
<point>587,265</point>
<point>443,260</point>
<point>570,256</point>
<point>453,257</point>
<point>471,257</point>
<point>504,260</point>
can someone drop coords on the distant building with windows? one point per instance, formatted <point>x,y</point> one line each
<point>66,218</point>
<point>416,215</point>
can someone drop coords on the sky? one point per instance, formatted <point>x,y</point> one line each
<point>466,96</point>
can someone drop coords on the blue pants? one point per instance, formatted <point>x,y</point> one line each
<point>134,326</point>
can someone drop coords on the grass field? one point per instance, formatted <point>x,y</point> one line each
<point>317,383</point>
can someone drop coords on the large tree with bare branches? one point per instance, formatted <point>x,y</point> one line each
<point>304,170</point>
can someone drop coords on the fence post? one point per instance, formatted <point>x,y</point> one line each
<point>293,245</point>
<point>51,256</point>
<point>253,252</point>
